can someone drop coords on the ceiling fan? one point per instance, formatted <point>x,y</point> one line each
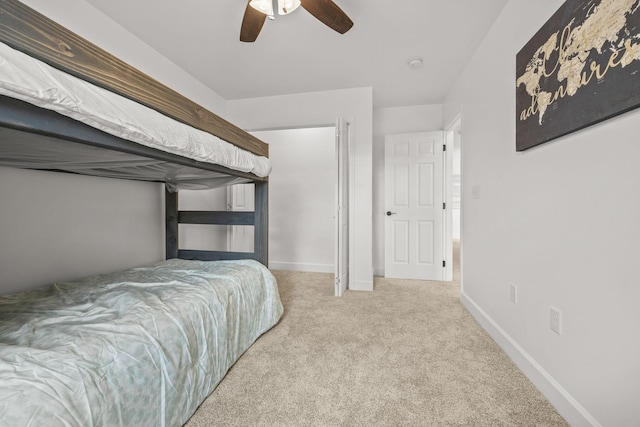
<point>258,10</point>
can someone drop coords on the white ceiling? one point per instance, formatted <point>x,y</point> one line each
<point>296,53</point>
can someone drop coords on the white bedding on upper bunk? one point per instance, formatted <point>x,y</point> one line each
<point>30,80</point>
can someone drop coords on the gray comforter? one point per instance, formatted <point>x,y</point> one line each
<point>143,347</point>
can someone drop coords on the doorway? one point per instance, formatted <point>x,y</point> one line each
<point>303,196</point>
<point>415,206</point>
<point>434,160</point>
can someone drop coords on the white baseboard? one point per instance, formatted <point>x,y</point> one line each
<point>378,271</point>
<point>575,414</point>
<point>295,266</point>
<point>361,285</point>
<point>356,285</point>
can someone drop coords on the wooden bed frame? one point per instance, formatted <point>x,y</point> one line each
<point>29,127</point>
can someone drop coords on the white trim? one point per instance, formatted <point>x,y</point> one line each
<point>449,140</point>
<point>361,285</point>
<point>447,185</point>
<point>351,129</point>
<point>298,266</point>
<point>575,414</point>
<point>378,271</point>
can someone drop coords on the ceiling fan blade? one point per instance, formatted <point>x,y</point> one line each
<point>329,14</point>
<point>251,24</point>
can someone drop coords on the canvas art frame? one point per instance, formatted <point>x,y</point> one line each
<point>580,68</point>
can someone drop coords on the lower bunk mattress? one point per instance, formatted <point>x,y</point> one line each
<point>142,347</point>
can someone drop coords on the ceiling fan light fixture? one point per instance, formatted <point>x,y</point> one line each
<point>264,6</point>
<point>287,6</point>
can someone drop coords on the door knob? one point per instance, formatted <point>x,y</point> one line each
<point>389,213</point>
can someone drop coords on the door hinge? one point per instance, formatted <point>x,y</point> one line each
<point>444,206</point>
<point>444,264</point>
<point>444,147</point>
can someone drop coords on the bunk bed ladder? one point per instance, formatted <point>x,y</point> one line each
<point>259,219</point>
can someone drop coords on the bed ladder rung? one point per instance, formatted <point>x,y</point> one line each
<point>213,255</point>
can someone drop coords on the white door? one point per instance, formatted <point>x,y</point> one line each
<point>414,202</point>
<point>342,208</point>
<point>240,197</point>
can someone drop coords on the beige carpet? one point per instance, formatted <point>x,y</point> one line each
<point>407,354</point>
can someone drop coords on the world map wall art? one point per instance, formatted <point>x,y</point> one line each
<point>582,67</point>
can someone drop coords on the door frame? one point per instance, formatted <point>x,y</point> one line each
<point>449,136</point>
<point>342,188</point>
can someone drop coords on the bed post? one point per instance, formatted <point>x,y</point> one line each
<point>261,228</point>
<point>171,218</point>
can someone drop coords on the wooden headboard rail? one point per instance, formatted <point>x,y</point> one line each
<point>28,31</point>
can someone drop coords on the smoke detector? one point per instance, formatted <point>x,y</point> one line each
<point>415,63</point>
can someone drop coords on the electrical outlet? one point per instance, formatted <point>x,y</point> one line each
<point>513,294</point>
<point>555,320</point>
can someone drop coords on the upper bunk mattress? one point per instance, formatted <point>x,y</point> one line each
<point>143,347</point>
<point>28,79</point>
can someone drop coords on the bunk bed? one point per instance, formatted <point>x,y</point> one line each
<point>143,346</point>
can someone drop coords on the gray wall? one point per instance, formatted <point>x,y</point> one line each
<point>56,226</point>
<point>561,223</point>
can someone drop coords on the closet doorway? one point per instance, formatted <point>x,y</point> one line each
<point>302,200</point>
